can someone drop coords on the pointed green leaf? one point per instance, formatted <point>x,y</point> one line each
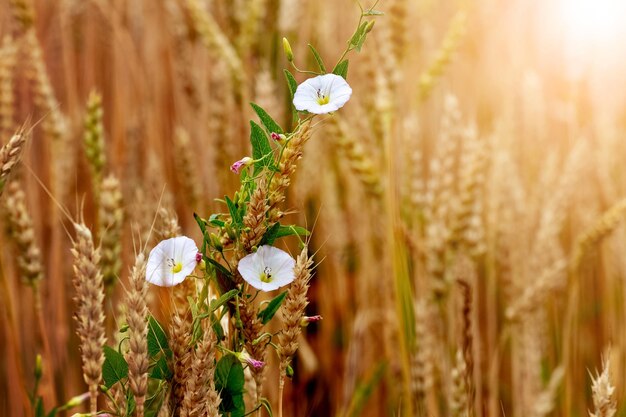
<point>270,235</point>
<point>235,212</point>
<point>229,382</point>
<point>373,12</point>
<point>217,328</point>
<point>160,370</point>
<point>261,148</point>
<point>219,267</point>
<point>215,221</point>
<point>157,339</point>
<point>53,413</point>
<point>360,42</point>
<point>341,69</point>
<point>277,231</point>
<point>318,58</point>
<point>291,83</point>
<point>266,119</point>
<point>358,34</point>
<point>39,410</point>
<point>272,307</point>
<point>215,304</point>
<point>114,368</point>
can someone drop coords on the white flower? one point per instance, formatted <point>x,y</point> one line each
<point>171,261</point>
<point>267,269</point>
<point>322,94</point>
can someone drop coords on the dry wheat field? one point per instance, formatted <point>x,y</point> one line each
<point>312,208</point>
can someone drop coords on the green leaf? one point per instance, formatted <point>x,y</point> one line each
<point>268,406</point>
<point>260,147</point>
<point>157,391</point>
<point>114,368</point>
<point>266,119</point>
<point>235,212</point>
<point>229,382</point>
<point>215,304</point>
<point>373,12</point>
<point>291,230</point>
<point>364,390</point>
<point>341,69</point>
<point>318,58</point>
<point>53,413</point>
<point>39,410</point>
<point>157,339</point>
<point>361,41</point>
<point>221,268</point>
<point>160,370</point>
<point>291,83</point>
<point>130,403</point>
<point>217,328</point>
<point>272,307</point>
<point>201,222</point>
<point>278,230</point>
<point>214,220</point>
<point>270,235</point>
<point>358,34</point>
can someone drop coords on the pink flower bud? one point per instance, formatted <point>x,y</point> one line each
<point>243,162</point>
<point>304,321</point>
<point>198,257</point>
<point>255,364</point>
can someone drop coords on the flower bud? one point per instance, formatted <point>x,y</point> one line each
<point>76,401</point>
<point>243,162</point>
<point>304,321</point>
<point>216,242</point>
<point>245,357</point>
<point>289,371</point>
<point>278,137</point>
<point>288,51</point>
<point>38,367</point>
<point>369,26</point>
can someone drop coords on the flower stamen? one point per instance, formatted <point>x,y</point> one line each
<point>322,98</point>
<point>266,275</point>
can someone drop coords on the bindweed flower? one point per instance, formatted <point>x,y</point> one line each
<point>267,269</point>
<point>243,162</point>
<point>304,321</point>
<point>171,261</point>
<point>278,137</point>
<point>322,94</point>
<point>245,357</point>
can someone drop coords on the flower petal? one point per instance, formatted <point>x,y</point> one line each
<point>331,85</point>
<point>180,250</point>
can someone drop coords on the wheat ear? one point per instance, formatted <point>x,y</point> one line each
<point>93,140</point>
<point>602,392</point>
<point>89,316</point>
<point>10,156</point>
<point>201,399</point>
<point>137,316</point>
<point>110,216</point>
<point>292,312</point>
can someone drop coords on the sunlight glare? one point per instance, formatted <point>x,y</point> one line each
<point>593,22</point>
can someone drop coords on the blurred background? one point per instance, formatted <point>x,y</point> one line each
<point>458,202</point>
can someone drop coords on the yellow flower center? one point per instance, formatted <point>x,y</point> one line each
<point>175,266</point>
<point>266,275</point>
<point>322,98</point>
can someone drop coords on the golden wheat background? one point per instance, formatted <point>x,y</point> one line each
<point>465,204</point>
